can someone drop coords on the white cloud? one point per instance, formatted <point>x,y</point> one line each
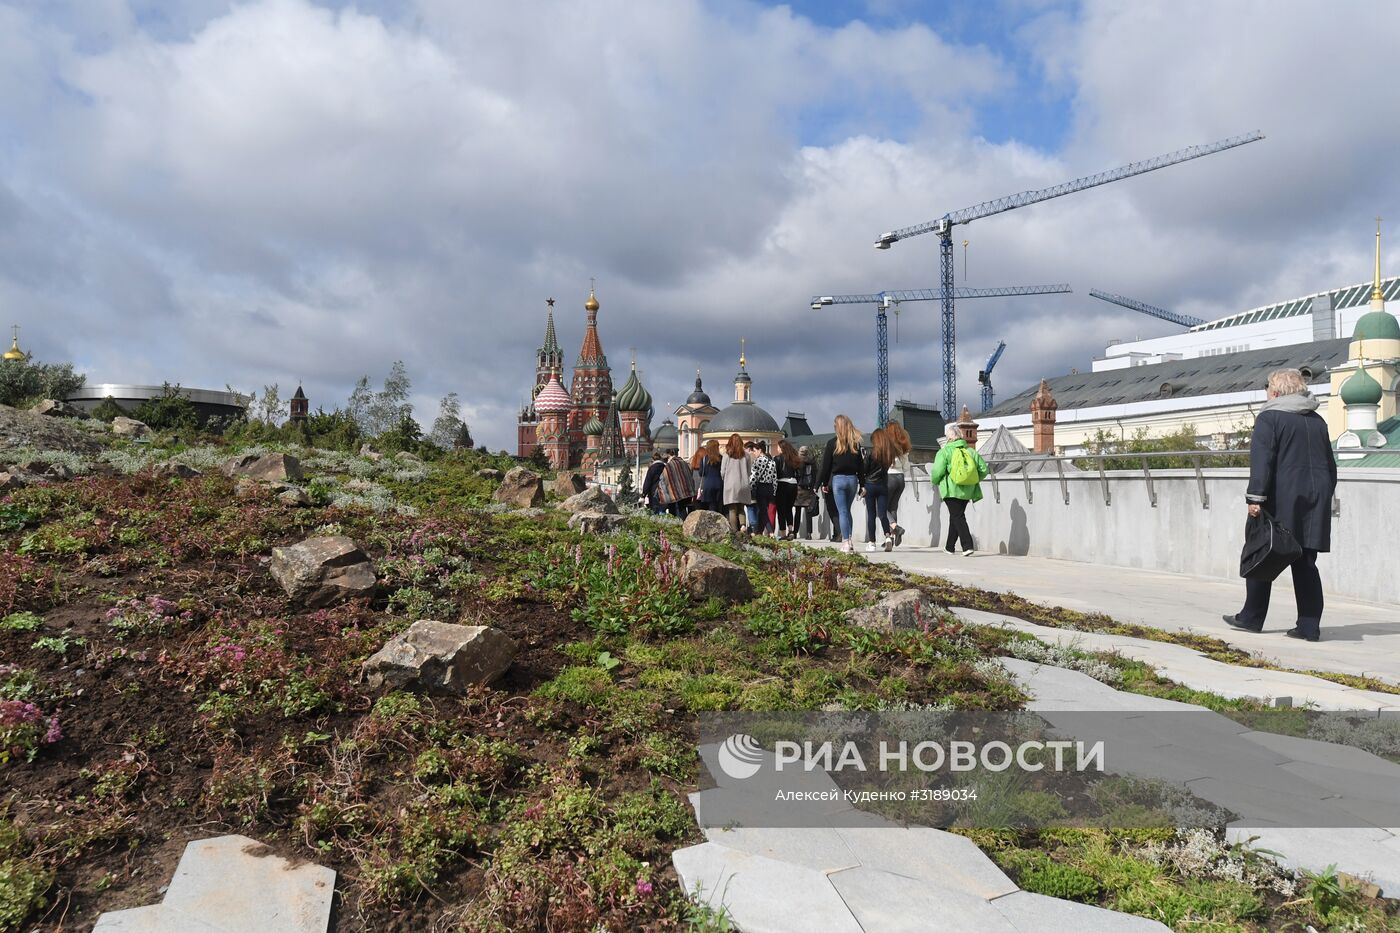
<point>274,190</point>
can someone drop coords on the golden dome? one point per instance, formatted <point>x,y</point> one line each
<point>15,353</point>
<point>592,303</point>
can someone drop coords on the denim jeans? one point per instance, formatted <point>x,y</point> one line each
<point>843,489</point>
<point>895,486</point>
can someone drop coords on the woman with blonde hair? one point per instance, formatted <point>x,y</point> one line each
<point>895,483</point>
<point>734,468</point>
<point>842,472</point>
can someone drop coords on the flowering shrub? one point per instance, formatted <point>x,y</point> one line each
<point>150,616</point>
<point>625,590</point>
<point>23,730</point>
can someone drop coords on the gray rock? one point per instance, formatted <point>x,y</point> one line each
<point>707,575</point>
<point>359,486</point>
<point>267,468</point>
<point>129,427</point>
<point>211,893</point>
<point>369,453</point>
<point>568,483</point>
<point>172,470</point>
<point>441,657</point>
<point>521,488</point>
<point>707,526</point>
<point>321,572</point>
<point>596,523</point>
<point>1051,915</point>
<point>48,469</point>
<point>488,473</point>
<point>247,488</point>
<point>55,409</point>
<point>592,499</point>
<point>293,495</point>
<point>16,479</point>
<point>906,609</point>
<point>21,429</point>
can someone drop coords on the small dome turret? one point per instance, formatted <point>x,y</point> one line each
<point>1376,325</point>
<point>633,396</point>
<point>15,353</point>
<point>553,398</point>
<point>1361,389</point>
<point>594,427</point>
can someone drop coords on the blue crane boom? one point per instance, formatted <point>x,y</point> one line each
<point>884,300</point>
<point>985,376</point>
<point>943,226</point>
<point>1185,320</point>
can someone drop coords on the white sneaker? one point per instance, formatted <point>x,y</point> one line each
<point>969,552</point>
<point>870,548</point>
<point>848,546</point>
<point>889,543</point>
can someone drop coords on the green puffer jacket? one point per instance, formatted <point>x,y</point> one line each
<point>943,463</point>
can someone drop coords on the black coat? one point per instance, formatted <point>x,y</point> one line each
<point>1293,474</point>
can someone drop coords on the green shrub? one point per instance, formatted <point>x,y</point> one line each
<point>1044,875</point>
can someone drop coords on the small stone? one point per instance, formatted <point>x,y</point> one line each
<point>369,453</point>
<point>521,488</point>
<point>49,469</point>
<point>441,657</point>
<point>321,572</point>
<point>568,483</point>
<point>707,575</point>
<point>234,466</point>
<point>488,473</point>
<point>293,495</point>
<point>172,470</point>
<point>906,609</point>
<point>596,523</point>
<point>592,499</point>
<point>706,526</point>
<point>359,486</point>
<point>129,427</point>
<point>55,409</point>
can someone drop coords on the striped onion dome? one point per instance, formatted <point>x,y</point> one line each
<point>553,398</point>
<point>633,397</point>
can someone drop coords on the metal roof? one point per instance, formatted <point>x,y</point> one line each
<point>1385,456</point>
<point>923,422</point>
<point>1205,375</point>
<point>1342,298</point>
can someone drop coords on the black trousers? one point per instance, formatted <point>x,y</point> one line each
<point>1307,587</point>
<point>830,498</point>
<point>958,532</point>
<point>787,495</point>
<point>763,494</point>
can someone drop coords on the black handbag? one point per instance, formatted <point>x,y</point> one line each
<point>1268,548</point>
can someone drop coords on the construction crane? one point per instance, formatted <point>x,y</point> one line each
<point>1185,320</point>
<point>944,225</point>
<point>883,301</point>
<point>985,375</point>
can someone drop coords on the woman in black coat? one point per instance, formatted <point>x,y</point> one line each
<point>1292,476</point>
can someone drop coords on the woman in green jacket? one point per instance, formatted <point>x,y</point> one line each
<point>956,495</point>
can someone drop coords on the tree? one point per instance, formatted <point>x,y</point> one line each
<point>463,440</point>
<point>626,492</point>
<point>25,382</point>
<point>405,435</point>
<point>449,423</point>
<point>358,406</point>
<point>107,410</point>
<point>1183,440</point>
<point>271,410</point>
<point>171,411</point>
<point>390,404</point>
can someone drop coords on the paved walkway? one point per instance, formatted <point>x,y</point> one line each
<point>1357,638</point>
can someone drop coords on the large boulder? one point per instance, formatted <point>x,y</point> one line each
<point>521,488</point>
<point>905,609</point>
<point>568,483</point>
<point>129,427</point>
<point>269,468</point>
<point>321,572</point>
<point>706,526</point>
<point>706,575</point>
<point>592,499</point>
<point>14,478</point>
<point>596,523</point>
<point>441,657</point>
<point>55,409</point>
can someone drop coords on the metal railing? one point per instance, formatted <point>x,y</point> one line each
<point>1196,458</point>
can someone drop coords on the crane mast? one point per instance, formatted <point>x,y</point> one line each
<point>943,226</point>
<point>985,376</point>
<point>1185,320</point>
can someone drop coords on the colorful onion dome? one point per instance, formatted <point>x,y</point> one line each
<point>553,398</point>
<point>593,427</point>
<point>1361,389</point>
<point>633,396</point>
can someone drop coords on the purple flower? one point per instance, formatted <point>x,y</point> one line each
<point>55,733</point>
<point>643,887</point>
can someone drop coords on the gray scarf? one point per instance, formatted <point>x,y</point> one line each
<point>1299,404</point>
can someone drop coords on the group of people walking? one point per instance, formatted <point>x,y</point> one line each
<point>777,492</point>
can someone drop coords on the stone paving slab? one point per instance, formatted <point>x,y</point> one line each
<point>818,847</point>
<point>930,856</point>
<point>1190,668</point>
<point>1357,852</point>
<point>233,884</point>
<point>762,895</point>
<point>1051,915</point>
<point>887,903</point>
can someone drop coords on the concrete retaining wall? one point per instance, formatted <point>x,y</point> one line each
<point>1176,534</point>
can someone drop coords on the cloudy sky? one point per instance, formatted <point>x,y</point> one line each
<point>284,190</point>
